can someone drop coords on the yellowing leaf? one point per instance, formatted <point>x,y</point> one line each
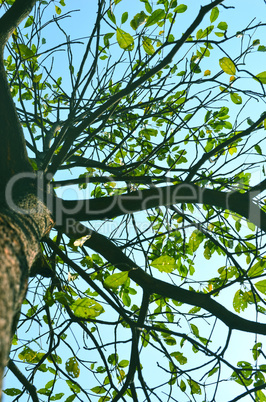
<point>207,72</point>
<point>124,39</point>
<point>227,65</point>
<point>232,78</point>
<point>232,150</point>
<point>165,263</point>
<point>72,367</point>
<point>147,46</point>
<point>58,10</point>
<point>116,280</point>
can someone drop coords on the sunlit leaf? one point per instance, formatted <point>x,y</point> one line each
<point>124,39</point>
<point>147,46</point>
<point>214,14</point>
<point>261,77</point>
<point>232,150</point>
<point>227,65</point>
<point>257,269</point>
<point>165,263</point>
<point>206,73</point>
<point>180,9</point>
<point>81,241</point>
<point>115,280</point>
<point>86,308</point>
<point>261,286</point>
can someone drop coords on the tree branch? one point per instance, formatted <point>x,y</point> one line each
<point>115,99</point>
<point>13,154</point>
<point>116,257</point>
<point>12,18</point>
<point>110,207</point>
<point>20,376</point>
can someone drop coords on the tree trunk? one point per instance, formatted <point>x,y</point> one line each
<point>21,231</point>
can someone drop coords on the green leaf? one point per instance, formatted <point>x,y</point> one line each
<point>86,308</point>
<point>111,16</point>
<point>179,357</point>
<point>37,78</point>
<point>70,398</point>
<point>123,363</point>
<point>124,39</point>
<point>98,390</point>
<point>194,387</point>
<point>165,263</point>
<point>148,7</point>
<point>56,397</point>
<point>214,14</point>
<point>182,386</point>
<point>138,20</point>
<point>29,21</point>
<point>242,300</point>
<point>25,51</point>
<point>12,391</point>
<point>213,371</point>
<point>255,350</point>
<point>246,370</point>
<point>257,269</point>
<point>72,367</point>
<point>223,26</point>
<point>195,239</point>
<point>261,77</point>
<point>155,17</point>
<point>202,34</point>
<point>73,386</point>
<point>124,17</point>
<point>261,286</point>
<point>227,65</point>
<point>180,9</point>
<point>115,280</point>
<point>258,149</point>
<point>236,98</point>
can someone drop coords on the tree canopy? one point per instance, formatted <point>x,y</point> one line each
<point>133,200</point>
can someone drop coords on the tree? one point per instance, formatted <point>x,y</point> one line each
<point>157,262</point>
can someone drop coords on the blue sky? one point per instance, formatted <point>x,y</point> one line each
<point>80,26</point>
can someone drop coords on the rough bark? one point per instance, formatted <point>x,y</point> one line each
<point>19,248</point>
